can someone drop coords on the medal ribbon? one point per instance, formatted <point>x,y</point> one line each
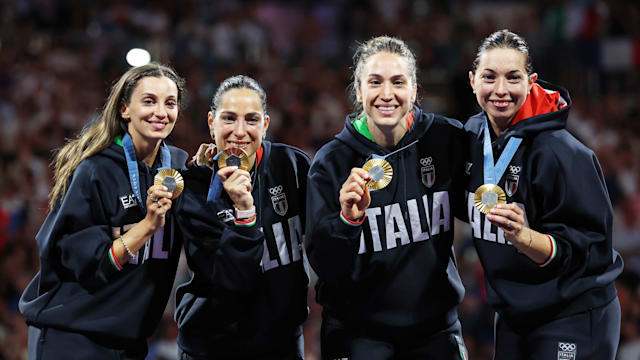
<point>492,174</point>
<point>132,165</point>
<point>215,186</point>
<point>384,157</point>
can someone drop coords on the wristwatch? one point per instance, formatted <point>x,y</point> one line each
<point>245,214</point>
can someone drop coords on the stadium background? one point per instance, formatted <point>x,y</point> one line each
<point>58,59</point>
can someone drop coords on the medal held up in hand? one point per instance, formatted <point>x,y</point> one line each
<point>234,157</point>
<point>488,195</point>
<point>380,172</point>
<point>171,179</point>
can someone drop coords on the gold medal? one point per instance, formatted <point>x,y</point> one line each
<point>488,196</point>
<point>171,179</point>
<point>380,172</point>
<point>234,157</point>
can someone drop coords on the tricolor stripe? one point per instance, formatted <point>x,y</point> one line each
<point>113,259</point>
<point>554,250</point>
<point>351,222</point>
<point>245,223</point>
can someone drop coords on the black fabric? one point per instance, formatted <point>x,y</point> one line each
<point>54,344</point>
<point>382,278</point>
<point>559,184</point>
<point>247,296</point>
<point>77,288</point>
<point>590,335</point>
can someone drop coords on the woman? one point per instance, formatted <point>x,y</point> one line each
<point>547,251</point>
<point>243,234</point>
<point>108,255</point>
<point>388,281</point>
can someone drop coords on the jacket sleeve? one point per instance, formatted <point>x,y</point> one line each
<point>573,206</point>
<point>331,245</point>
<point>460,156</point>
<point>227,255</point>
<point>76,235</point>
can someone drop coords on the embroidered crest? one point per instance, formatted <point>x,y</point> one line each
<point>511,180</point>
<point>279,200</point>
<point>428,171</point>
<point>225,215</point>
<point>567,351</point>
<point>129,201</point>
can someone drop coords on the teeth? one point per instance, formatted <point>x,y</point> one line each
<point>501,103</point>
<point>386,108</point>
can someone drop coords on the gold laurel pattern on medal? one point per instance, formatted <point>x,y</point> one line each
<point>477,197</point>
<point>386,178</point>
<point>244,158</point>
<point>165,173</point>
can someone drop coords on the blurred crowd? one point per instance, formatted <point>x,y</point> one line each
<point>58,59</point>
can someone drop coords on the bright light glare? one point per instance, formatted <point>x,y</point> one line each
<point>138,57</point>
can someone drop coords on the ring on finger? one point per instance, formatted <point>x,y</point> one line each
<point>153,198</point>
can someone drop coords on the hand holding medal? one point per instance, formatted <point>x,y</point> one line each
<point>233,164</point>
<point>355,197</point>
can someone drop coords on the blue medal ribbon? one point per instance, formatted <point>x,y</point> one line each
<point>215,186</point>
<point>492,174</point>
<point>132,165</point>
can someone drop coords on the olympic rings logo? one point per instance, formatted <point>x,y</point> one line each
<point>275,190</point>
<point>514,169</point>
<point>569,347</point>
<point>426,161</point>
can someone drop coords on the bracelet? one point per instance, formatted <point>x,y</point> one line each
<point>350,222</point>
<point>131,255</point>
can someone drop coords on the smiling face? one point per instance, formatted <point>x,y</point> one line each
<point>239,122</point>
<point>386,90</point>
<point>501,84</point>
<point>152,111</point>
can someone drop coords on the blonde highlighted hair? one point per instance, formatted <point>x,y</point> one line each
<point>101,132</point>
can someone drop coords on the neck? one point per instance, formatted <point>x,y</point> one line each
<point>146,149</point>
<point>499,128</point>
<point>252,161</point>
<point>387,137</point>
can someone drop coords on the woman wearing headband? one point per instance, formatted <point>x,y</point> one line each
<point>540,214</point>
<point>108,255</point>
<point>381,201</point>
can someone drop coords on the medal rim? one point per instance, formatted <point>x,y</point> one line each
<point>224,155</point>
<point>387,176</point>
<point>481,190</point>
<point>164,173</point>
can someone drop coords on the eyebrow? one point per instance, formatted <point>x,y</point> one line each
<point>509,72</point>
<point>234,113</point>
<point>155,96</point>
<point>392,77</point>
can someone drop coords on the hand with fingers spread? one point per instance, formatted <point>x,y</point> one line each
<point>158,203</point>
<point>204,155</point>
<point>237,183</point>
<point>354,194</point>
<point>510,217</point>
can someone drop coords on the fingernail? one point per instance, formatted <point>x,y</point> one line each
<point>170,194</point>
<point>164,188</point>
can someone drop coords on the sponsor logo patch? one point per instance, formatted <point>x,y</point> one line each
<point>129,201</point>
<point>225,215</point>
<point>567,351</point>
